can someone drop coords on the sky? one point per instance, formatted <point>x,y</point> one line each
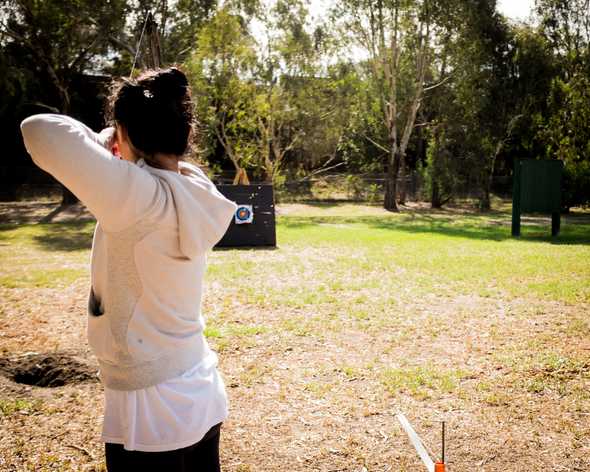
<point>513,9</point>
<point>516,9</point>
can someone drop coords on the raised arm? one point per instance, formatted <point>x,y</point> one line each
<point>117,192</point>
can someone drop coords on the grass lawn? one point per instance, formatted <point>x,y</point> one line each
<point>357,314</point>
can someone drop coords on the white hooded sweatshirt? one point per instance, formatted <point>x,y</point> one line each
<point>148,253</point>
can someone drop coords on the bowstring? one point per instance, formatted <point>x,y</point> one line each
<point>138,46</point>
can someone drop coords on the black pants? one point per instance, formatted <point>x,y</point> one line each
<point>200,457</point>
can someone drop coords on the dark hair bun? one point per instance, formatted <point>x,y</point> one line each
<point>170,82</point>
<point>156,110</point>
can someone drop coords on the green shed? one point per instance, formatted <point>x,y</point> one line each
<point>537,189</point>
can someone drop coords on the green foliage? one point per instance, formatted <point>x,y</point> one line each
<point>441,172</point>
<point>225,53</point>
<point>363,146</point>
<point>485,84</point>
<point>57,39</point>
<point>568,136</point>
<point>397,38</point>
<point>282,96</point>
<point>184,18</point>
<point>303,106</point>
<point>374,193</point>
<point>564,129</point>
<point>355,186</point>
<point>260,98</point>
<point>10,406</point>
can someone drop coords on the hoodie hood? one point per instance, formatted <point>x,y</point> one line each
<point>204,214</point>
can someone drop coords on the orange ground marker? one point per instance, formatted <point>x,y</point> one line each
<point>438,466</point>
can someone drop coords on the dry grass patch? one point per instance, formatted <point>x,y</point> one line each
<point>357,314</point>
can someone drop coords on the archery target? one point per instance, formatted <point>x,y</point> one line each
<point>244,214</point>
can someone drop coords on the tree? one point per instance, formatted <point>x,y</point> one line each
<point>398,38</point>
<point>303,105</point>
<point>443,123</point>
<point>277,132</point>
<point>60,39</point>
<point>485,84</point>
<point>57,41</point>
<point>567,135</point>
<point>534,69</point>
<point>327,105</point>
<point>224,60</point>
<point>283,48</point>
<point>177,22</point>
<point>565,25</point>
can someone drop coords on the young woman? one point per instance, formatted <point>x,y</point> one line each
<point>157,218</point>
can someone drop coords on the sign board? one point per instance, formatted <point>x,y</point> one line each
<point>254,221</point>
<point>537,189</point>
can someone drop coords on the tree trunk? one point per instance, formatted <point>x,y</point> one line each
<point>435,199</point>
<point>402,181</point>
<point>241,177</point>
<point>484,201</point>
<point>390,202</point>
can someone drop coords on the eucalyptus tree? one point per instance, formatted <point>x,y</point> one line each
<point>302,103</point>
<point>534,68</point>
<point>442,122</point>
<point>285,56</point>
<point>177,23</point>
<point>494,77</point>
<point>565,24</point>
<point>399,39</point>
<point>221,70</point>
<point>485,79</point>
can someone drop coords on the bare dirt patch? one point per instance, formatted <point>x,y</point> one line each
<point>47,370</point>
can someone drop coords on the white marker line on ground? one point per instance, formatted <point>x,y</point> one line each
<point>415,440</point>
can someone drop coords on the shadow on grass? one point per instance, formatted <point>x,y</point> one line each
<point>70,236</point>
<point>333,203</point>
<point>243,248</point>
<point>68,241</point>
<point>493,226</point>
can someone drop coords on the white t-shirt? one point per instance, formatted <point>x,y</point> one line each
<point>171,415</point>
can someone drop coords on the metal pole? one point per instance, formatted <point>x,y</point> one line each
<point>443,442</point>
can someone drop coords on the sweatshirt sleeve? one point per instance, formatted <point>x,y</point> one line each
<point>117,192</point>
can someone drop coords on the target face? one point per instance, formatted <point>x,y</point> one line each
<point>244,214</point>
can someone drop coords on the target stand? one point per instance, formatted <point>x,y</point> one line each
<point>253,224</point>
